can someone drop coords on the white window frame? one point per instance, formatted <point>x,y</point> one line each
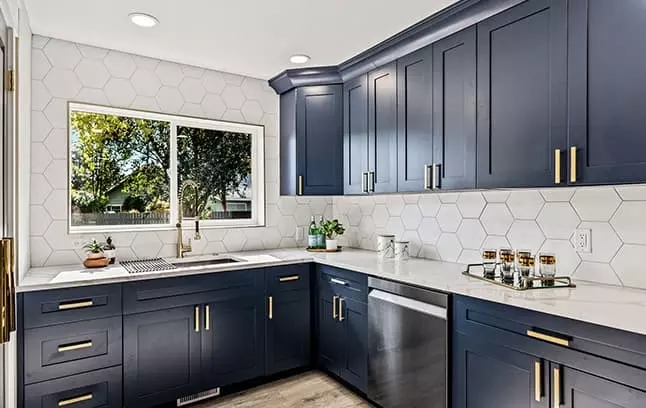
<point>257,133</point>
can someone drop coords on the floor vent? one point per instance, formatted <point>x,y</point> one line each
<point>200,396</point>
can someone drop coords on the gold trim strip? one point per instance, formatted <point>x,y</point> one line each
<point>289,278</point>
<point>75,400</point>
<point>207,317</point>
<point>341,318</point>
<point>573,164</point>
<point>5,267</point>
<point>537,381</point>
<point>548,338</point>
<point>271,307</point>
<point>557,387</point>
<point>77,346</point>
<point>334,312</point>
<point>76,305</point>
<point>197,319</point>
<point>557,166</point>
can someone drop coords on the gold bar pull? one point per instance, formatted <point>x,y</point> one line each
<point>5,265</point>
<point>271,307</point>
<point>426,186</point>
<point>334,312</point>
<point>434,169</point>
<point>548,338</point>
<point>341,318</point>
<point>8,285</point>
<point>75,400</point>
<point>573,164</point>
<point>557,166</point>
<point>75,346</point>
<point>300,185</point>
<point>76,305</point>
<point>557,387</point>
<point>207,317</point>
<point>538,392</point>
<point>197,319</point>
<point>289,278</point>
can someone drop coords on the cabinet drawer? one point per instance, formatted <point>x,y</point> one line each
<point>345,283</point>
<point>72,348</point>
<point>97,389</point>
<point>157,294</point>
<point>286,278</point>
<point>50,307</point>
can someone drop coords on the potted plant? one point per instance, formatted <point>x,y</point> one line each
<point>109,250</point>
<point>94,249</point>
<point>332,229</point>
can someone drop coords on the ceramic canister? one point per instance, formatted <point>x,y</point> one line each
<point>402,250</point>
<point>385,247</point>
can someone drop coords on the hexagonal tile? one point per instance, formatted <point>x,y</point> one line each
<point>145,82</point>
<point>632,192</point>
<point>39,41</point>
<point>39,220</point>
<point>192,109</point>
<point>234,240</point>
<point>39,189</point>
<point>40,158</point>
<point>233,79</point>
<point>495,242</point>
<point>287,226</point>
<point>605,242</point>
<point>120,64</point>
<point>233,115</point>
<point>525,234</point>
<point>367,227</point>
<point>595,204</point>
<point>62,83</point>
<point>395,205</point>
<point>56,143</point>
<point>411,198</point>
<point>147,63</point>
<point>56,113</point>
<point>146,245</point>
<point>367,204</point>
<point>90,95</point>
<point>92,73</point>
<point>471,234</point>
<point>40,65</point>
<point>271,238</point>
<point>354,215</point>
<point>169,74</point>
<point>395,226</point>
<point>630,222</point>
<point>596,272</point>
<point>429,251</point>
<point>56,174</point>
<point>302,214</point>
<point>380,215</point>
<point>628,264</point>
<point>471,204</point>
<point>40,251</point>
<point>233,97</point>
<point>449,247</point>
<point>120,92</point>
<point>269,102</point>
<point>213,106</point>
<point>192,90</point>
<point>56,205</point>
<point>68,257</point>
<point>270,121</point>
<point>62,54</point>
<point>525,205</point>
<point>558,220</point>
<point>429,231</point>
<point>90,52</point>
<point>170,99</point>
<point>254,240</point>
<point>148,103</point>
<point>567,259</point>
<point>252,88</point>
<point>252,111</point>
<point>213,82</point>
<point>496,196</point>
<point>192,71</point>
<point>558,194</point>
<point>469,256</point>
<point>449,218</point>
<point>449,198</point>
<point>411,216</point>
<point>57,237</point>
<point>496,219</point>
<point>40,96</point>
<point>414,243</point>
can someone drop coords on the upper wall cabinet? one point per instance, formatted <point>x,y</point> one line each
<point>607,62</point>
<point>454,111</point>
<point>311,141</point>
<point>522,95</point>
<point>355,139</point>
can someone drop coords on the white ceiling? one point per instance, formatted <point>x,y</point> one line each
<point>248,37</point>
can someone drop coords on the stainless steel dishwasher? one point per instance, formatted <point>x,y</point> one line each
<point>407,352</point>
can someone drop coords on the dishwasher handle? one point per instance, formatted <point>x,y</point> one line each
<point>408,303</point>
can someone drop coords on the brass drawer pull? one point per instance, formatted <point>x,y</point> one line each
<point>538,392</point>
<point>426,186</point>
<point>207,317</point>
<point>338,281</point>
<point>341,318</point>
<point>557,387</point>
<point>546,337</point>
<point>289,278</point>
<point>300,185</point>
<point>573,164</point>
<point>271,307</point>
<point>75,400</point>
<point>75,346</point>
<point>334,312</point>
<point>557,166</point>
<point>434,176</point>
<point>76,305</point>
<point>197,319</point>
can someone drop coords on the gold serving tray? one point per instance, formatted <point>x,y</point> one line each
<point>519,283</point>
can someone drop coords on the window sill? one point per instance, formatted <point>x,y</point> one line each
<point>153,228</point>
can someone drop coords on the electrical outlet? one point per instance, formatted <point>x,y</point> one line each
<point>583,240</point>
<point>300,234</point>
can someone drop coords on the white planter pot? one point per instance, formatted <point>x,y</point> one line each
<point>331,244</point>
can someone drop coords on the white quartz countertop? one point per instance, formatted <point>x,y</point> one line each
<point>611,306</point>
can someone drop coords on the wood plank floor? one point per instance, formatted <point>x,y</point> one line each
<point>312,389</point>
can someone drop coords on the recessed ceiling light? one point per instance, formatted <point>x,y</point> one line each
<point>143,20</point>
<point>299,59</point>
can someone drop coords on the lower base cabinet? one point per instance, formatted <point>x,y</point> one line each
<point>577,389</point>
<point>288,331</point>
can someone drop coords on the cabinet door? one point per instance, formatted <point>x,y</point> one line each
<point>355,140</point>
<point>522,94</point>
<point>319,140</point>
<point>288,331</point>
<point>607,61</point>
<point>454,111</point>
<point>490,376</point>
<point>415,120</point>
<point>233,343</point>
<point>382,128</point>
<point>576,389</point>
<point>354,319</point>
<point>330,331</point>
<point>161,356</point>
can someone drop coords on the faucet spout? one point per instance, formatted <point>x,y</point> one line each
<point>181,247</point>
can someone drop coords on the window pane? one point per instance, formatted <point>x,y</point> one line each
<point>220,163</point>
<point>118,172</point>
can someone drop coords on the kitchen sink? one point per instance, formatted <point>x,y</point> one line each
<point>207,262</point>
<point>160,265</point>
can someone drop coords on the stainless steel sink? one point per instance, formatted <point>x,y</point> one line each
<point>161,265</point>
<point>208,262</point>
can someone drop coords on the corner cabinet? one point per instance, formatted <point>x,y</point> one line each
<point>311,141</point>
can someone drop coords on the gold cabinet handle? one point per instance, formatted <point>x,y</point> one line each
<point>76,305</point>
<point>549,338</point>
<point>207,317</point>
<point>557,387</point>
<point>271,307</point>
<point>289,278</point>
<point>75,400</point>
<point>75,346</point>
<point>8,288</point>
<point>573,164</point>
<point>334,312</point>
<point>434,169</point>
<point>197,319</point>
<point>538,377</point>
<point>300,185</point>
<point>364,182</point>
<point>341,318</point>
<point>426,185</point>
<point>557,166</point>
<point>371,181</point>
